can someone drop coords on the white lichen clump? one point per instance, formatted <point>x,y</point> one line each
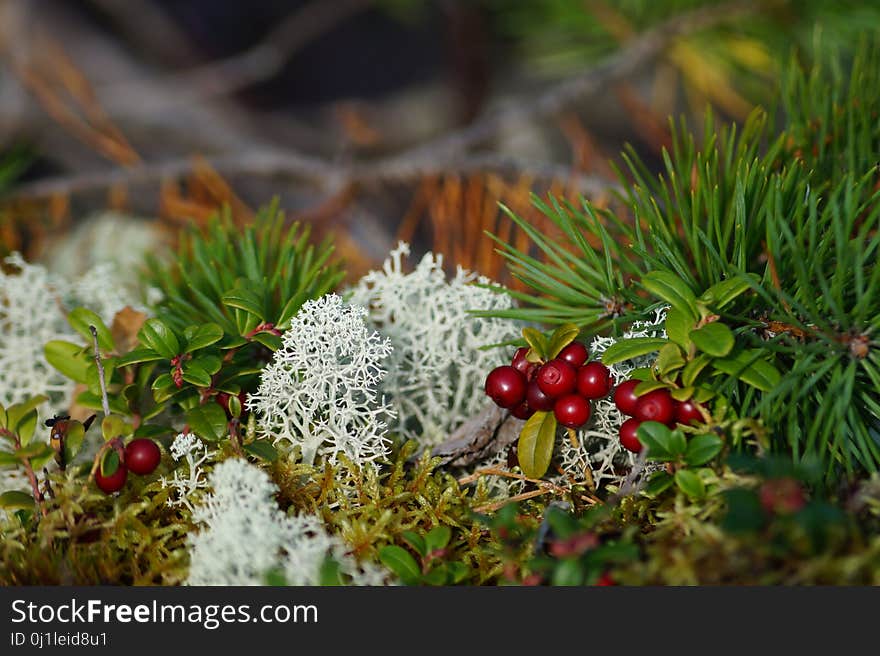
<point>320,392</point>
<point>437,370</point>
<point>187,485</point>
<point>245,537</point>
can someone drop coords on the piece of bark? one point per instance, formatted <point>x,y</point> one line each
<point>480,437</point>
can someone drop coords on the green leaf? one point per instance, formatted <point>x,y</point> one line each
<point>195,375</point>
<point>663,444</point>
<point>26,427</point>
<point>233,405</point>
<point>537,342</point>
<point>689,483</point>
<point>748,367</point>
<point>437,538</point>
<point>649,386</point>
<point>263,449</point>
<point>714,339</point>
<point>437,575</point>
<point>150,430</point>
<point>81,318</point>
<point>16,412</point>
<point>35,450</point>
<point>16,500</point>
<point>670,288</point>
<point>669,359</point>
<point>659,482</point>
<point>269,340</point>
<point>159,337</point>
<point>458,572</point>
<point>416,541</point>
<point>678,326</point>
<point>561,337</point>
<point>68,358</point>
<point>8,459</point>
<point>693,368</point>
<point>627,349</point>
<point>138,356</point>
<point>245,298</point>
<point>702,448</point>
<point>208,421</point>
<point>73,440</point>
<point>722,293</point>
<point>109,462</point>
<point>198,337</point>
<point>682,393</point>
<point>2,416</point>
<point>535,446</point>
<point>399,561</point>
<point>114,426</point>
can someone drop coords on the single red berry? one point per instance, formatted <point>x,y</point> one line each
<point>688,412</point>
<point>506,386</point>
<point>657,405</point>
<point>593,380</point>
<point>522,365</point>
<point>625,397</point>
<point>142,456</point>
<point>522,410</point>
<point>574,354</point>
<point>605,579</point>
<point>113,482</point>
<point>572,410</point>
<point>557,378</point>
<point>629,438</point>
<point>536,399</point>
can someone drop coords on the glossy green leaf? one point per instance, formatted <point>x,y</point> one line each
<point>208,421</point>
<point>658,482</point>
<point>26,427</point>
<point>68,358</point>
<point>678,326</point>
<point>672,289</point>
<point>109,462</point>
<point>682,393</point>
<point>262,449</point>
<point>81,318</point>
<point>195,375</point>
<point>690,483</point>
<point>438,575</point>
<point>269,340</point>
<point>649,386</point>
<point>627,349</point>
<point>438,538</point>
<point>693,368</point>
<point>561,337</point>
<point>458,572</point>
<point>750,368</point>
<point>723,293</point>
<point>35,450</point>
<point>535,446</point>
<point>663,443</point>
<point>16,500</point>
<point>138,356</point>
<point>702,448</point>
<point>537,342</point>
<point>416,541</point>
<point>17,411</point>
<point>73,440</point>
<point>714,339</point>
<point>156,335</point>
<point>8,459</point>
<point>198,337</point>
<point>150,430</point>
<point>245,297</point>
<point>401,562</point>
<point>114,426</point>
<point>669,359</point>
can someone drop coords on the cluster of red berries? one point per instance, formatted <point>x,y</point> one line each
<point>564,385</point>
<point>657,405</point>
<point>142,456</point>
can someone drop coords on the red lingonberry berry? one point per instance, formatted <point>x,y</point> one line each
<point>536,399</point>
<point>657,405</point>
<point>522,365</point>
<point>506,386</point>
<point>628,435</point>
<point>522,410</point>
<point>574,354</point>
<point>625,397</point>
<point>605,579</point>
<point>557,378</point>
<point>572,410</point>
<point>688,412</point>
<point>142,456</point>
<point>593,380</point>
<point>113,482</point>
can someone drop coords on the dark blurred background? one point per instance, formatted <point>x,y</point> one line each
<point>373,120</point>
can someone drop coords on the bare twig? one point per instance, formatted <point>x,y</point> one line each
<point>104,402</point>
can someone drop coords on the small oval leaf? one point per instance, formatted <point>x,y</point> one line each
<point>198,337</point>
<point>561,337</point>
<point>68,358</point>
<point>535,446</point>
<point>702,448</point>
<point>401,562</point>
<point>672,289</point>
<point>627,349</point>
<point>689,483</point>
<point>16,500</point>
<point>158,336</point>
<point>714,339</point>
<point>262,449</point>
